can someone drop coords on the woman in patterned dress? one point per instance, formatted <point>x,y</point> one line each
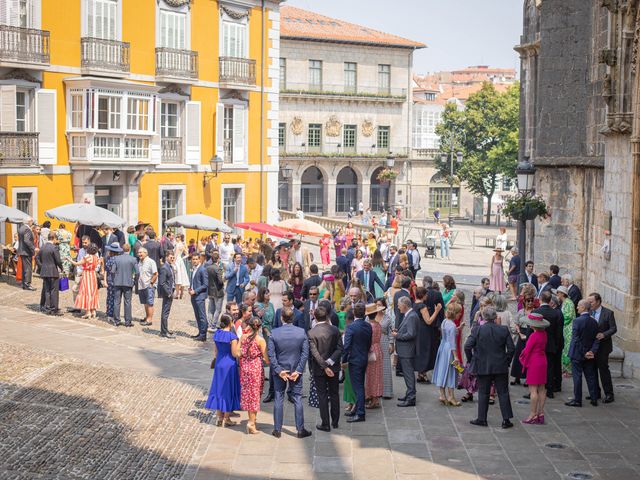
<point>387,348</point>
<point>374,381</point>
<point>87,298</point>
<point>253,352</point>
<point>64,245</point>
<point>182,276</point>
<point>109,262</point>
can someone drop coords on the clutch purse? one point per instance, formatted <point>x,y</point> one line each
<point>459,368</point>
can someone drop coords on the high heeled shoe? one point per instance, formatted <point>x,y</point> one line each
<point>219,422</point>
<point>530,421</point>
<point>540,419</point>
<point>443,401</point>
<point>453,403</point>
<point>227,422</point>
<point>251,429</point>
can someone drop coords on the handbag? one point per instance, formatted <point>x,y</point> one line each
<point>99,281</point>
<point>63,284</point>
<point>372,357</point>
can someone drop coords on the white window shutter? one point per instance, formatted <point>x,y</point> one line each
<point>156,148</point>
<point>46,125</point>
<point>239,134</point>
<point>193,133</point>
<point>8,108</point>
<point>220,130</point>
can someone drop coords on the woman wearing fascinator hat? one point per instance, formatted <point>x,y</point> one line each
<point>534,360</point>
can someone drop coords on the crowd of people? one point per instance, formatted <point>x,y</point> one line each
<point>353,321</point>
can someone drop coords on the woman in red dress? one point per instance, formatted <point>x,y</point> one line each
<point>325,256</point>
<point>349,234</point>
<point>534,360</point>
<point>374,377</point>
<point>253,352</point>
<point>87,298</point>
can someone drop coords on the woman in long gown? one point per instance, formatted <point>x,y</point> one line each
<point>325,256</point>
<point>224,395</point>
<point>444,372</point>
<point>378,266</point>
<point>569,315</point>
<point>534,359</point>
<point>374,381</point>
<point>348,395</point>
<point>64,245</point>
<point>87,298</point>
<point>339,242</point>
<point>182,277</point>
<point>386,325</point>
<point>253,352</point>
<point>497,272</point>
<point>349,234</point>
<point>427,341</point>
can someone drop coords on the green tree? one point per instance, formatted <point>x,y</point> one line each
<point>486,132</point>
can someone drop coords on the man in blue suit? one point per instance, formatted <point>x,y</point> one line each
<point>198,289</point>
<point>582,351</point>
<point>288,350</point>
<point>368,279</point>
<point>237,277</point>
<point>345,265</point>
<point>357,342</point>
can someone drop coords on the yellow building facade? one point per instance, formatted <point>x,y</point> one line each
<point>150,108</point>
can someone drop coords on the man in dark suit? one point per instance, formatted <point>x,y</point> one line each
<point>492,349</point>
<point>404,292</point>
<point>154,249</point>
<point>48,259</point>
<point>198,289</point>
<point>108,238</point>
<point>357,342</point>
<point>582,352</point>
<point>310,308</point>
<point>405,344</point>
<point>314,280</point>
<point>166,288</point>
<point>554,278</point>
<point>343,262</point>
<point>210,247</point>
<point>288,350</point>
<point>543,284</point>
<point>325,346</point>
<point>368,278</point>
<point>215,276</point>
<point>532,278</point>
<point>26,251</point>
<point>237,276</point>
<point>125,268</point>
<point>575,294</point>
<point>288,301</point>
<point>394,260</point>
<point>607,328</point>
<point>555,343</point>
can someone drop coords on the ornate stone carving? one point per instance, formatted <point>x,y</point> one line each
<point>17,74</point>
<point>297,126</point>
<point>173,88</point>
<point>233,13</point>
<point>608,57</point>
<point>618,123</point>
<point>178,3</point>
<point>333,126</point>
<point>367,128</point>
<point>234,95</point>
<point>611,5</point>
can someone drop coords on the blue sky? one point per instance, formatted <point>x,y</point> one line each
<point>458,33</point>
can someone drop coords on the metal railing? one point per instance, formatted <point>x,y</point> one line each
<point>102,54</point>
<point>176,63</point>
<point>334,150</point>
<point>227,145</point>
<point>237,70</point>
<point>344,90</point>
<point>24,45</point>
<point>18,149</point>
<point>171,150</point>
<point>425,152</point>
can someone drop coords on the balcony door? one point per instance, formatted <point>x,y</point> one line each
<point>102,19</point>
<point>173,28</point>
<point>234,40</point>
<point>20,13</point>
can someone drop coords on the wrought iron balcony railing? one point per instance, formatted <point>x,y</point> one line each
<point>105,55</point>
<point>18,149</point>
<point>171,62</point>
<point>24,45</point>
<point>237,70</point>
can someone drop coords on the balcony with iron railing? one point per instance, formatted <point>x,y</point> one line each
<point>104,57</point>
<point>171,150</point>
<point>237,71</point>
<point>23,47</point>
<point>339,151</point>
<point>18,149</point>
<point>344,92</point>
<point>174,65</point>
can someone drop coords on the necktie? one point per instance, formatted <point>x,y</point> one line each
<point>366,281</point>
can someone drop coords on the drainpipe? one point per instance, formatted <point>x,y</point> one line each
<point>262,42</point>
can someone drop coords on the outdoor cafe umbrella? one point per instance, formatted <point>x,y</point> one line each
<point>12,215</point>
<point>303,227</point>
<point>86,214</point>
<point>264,228</point>
<point>198,221</point>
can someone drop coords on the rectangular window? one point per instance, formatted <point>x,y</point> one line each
<point>350,77</point>
<point>234,40</point>
<point>138,114</point>
<point>349,133</point>
<point>384,79</point>
<point>383,138</point>
<point>169,119</point>
<point>231,211</point>
<point>76,111</point>
<point>101,19</point>
<point>314,140</point>
<point>172,29</point>
<point>108,113</point>
<point>283,74</point>
<point>24,202</point>
<point>315,74</point>
<point>136,148</point>
<point>170,205</point>
<point>282,136</point>
<point>22,106</point>
<point>78,146</point>
<point>228,133</point>
<point>106,147</point>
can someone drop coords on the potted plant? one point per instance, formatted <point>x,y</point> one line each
<point>387,174</point>
<point>526,207</point>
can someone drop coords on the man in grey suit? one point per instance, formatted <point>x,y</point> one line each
<point>491,348</point>
<point>166,287</point>
<point>607,328</point>
<point>125,268</point>
<point>26,251</point>
<point>405,340</point>
<point>48,259</point>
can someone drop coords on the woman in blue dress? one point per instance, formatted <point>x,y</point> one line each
<point>444,372</point>
<point>224,395</point>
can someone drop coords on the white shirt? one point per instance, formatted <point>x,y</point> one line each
<point>596,313</point>
<point>226,250</point>
<point>147,268</point>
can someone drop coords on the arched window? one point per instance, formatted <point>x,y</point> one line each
<point>379,192</point>
<point>312,191</point>
<point>346,190</point>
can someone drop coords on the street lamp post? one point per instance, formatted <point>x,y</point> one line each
<point>458,159</point>
<point>286,172</point>
<point>526,176</point>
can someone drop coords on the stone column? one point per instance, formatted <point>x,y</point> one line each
<point>365,192</point>
<point>296,199</point>
<point>329,209</point>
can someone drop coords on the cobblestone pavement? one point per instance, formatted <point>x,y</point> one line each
<point>81,399</point>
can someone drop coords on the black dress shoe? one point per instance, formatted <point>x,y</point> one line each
<point>145,323</point>
<point>304,433</point>
<point>356,418</point>
<point>334,425</point>
<point>276,433</point>
<point>268,398</point>
<point>56,313</point>
<point>167,335</point>
<point>507,424</point>
<point>608,399</point>
<point>201,339</point>
<point>128,324</point>
<point>594,403</point>
<point>402,399</point>
<point>323,428</point>
<point>550,394</point>
<point>527,396</point>
<point>351,413</point>
<point>478,423</point>
<point>407,404</point>
<point>195,336</point>
<point>573,403</point>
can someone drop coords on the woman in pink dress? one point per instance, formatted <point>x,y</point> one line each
<point>253,351</point>
<point>87,298</point>
<point>349,234</point>
<point>374,377</point>
<point>325,256</point>
<point>534,359</point>
<point>339,242</point>
<point>497,271</point>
